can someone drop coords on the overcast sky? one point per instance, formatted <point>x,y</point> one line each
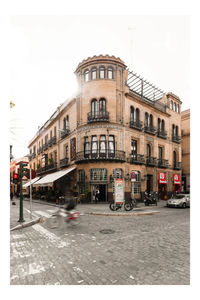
<point>47,49</point>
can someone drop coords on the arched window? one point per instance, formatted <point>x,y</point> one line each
<point>111,145</point>
<point>146,119</point>
<point>66,123</point>
<point>94,73</point>
<point>94,108</point>
<point>110,73</point>
<point>177,108</point>
<point>102,72</point>
<point>176,130</point>
<point>163,126</point>
<point>131,113</point>
<point>171,105</point>
<point>174,106</point>
<point>159,124</point>
<point>86,75</point>
<point>102,105</point>
<point>137,115</point>
<point>173,130</point>
<point>151,120</point>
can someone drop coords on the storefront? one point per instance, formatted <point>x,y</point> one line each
<point>162,186</point>
<point>176,183</point>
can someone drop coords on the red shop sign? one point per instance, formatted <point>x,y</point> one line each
<point>176,179</point>
<point>162,178</point>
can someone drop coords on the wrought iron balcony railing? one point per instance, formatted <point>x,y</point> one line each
<point>151,161</point>
<point>47,168</point>
<point>162,134</point>
<point>136,159</point>
<point>163,163</point>
<point>177,165</point>
<point>114,155</point>
<point>136,125</point>
<point>50,142</point>
<point>53,140</point>
<point>64,162</point>
<point>150,129</point>
<point>176,139</point>
<point>45,146</point>
<point>101,116</point>
<point>64,133</point>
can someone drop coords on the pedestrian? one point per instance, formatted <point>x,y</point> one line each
<point>97,195</point>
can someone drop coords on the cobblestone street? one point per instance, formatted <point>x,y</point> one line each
<point>141,250</point>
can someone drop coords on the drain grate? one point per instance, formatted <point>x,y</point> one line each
<point>107,231</point>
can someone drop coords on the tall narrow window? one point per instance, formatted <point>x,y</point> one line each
<point>131,113</point>
<point>134,149</point>
<point>160,153</point>
<point>102,105</point>
<point>171,105</point>
<point>159,124</point>
<point>137,115</point>
<point>73,148</point>
<point>66,151</point>
<point>94,108</point>
<point>178,108</point>
<point>102,72</point>
<point>94,73</point>
<point>66,123</point>
<point>110,73</point>
<point>173,130</point>
<point>163,125</point>
<point>94,145</point>
<point>148,151</point>
<point>86,75</point>
<point>176,132</point>
<point>146,119</point>
<point>151,120</point>
<point>174,158</point>
<point>174,106</point>
<point>102,145</point>
<point>111,145</point>
<point>54,130</point>
<point>86,146</point>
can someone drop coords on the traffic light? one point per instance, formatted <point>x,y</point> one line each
<point>22,170</point>
<point>15,178</point>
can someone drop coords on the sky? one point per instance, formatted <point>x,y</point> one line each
<point>47,49</point>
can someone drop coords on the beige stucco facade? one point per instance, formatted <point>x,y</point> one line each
<point>185,124</point>
<point>100,133</point>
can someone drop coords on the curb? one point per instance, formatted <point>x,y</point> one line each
<point>21,226</point>
<point>124,214</point>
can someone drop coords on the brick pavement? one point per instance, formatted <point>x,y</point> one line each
<point>143,250</point>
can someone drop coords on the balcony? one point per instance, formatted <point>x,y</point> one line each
<point>30,157</point>
<point>97,156</point>
<point>101,116</point>
<point>151,161</point>
<point>136,159</point>
<point>64,133</point>
<point>50,142</point>
<point>53,140</point>
<point>162,134</point>
<point>163,163</point>
<point>150,129</point>
<point>64,162</point>
<point>177,166</point>
<point>176,139</point>
<point>48,168</point>
<point>136,125</point>
<point>45,146</point>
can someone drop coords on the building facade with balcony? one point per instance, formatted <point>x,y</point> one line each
<point>116,124</point>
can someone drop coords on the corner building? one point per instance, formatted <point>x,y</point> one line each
<point>118,126</point>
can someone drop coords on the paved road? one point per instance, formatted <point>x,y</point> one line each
<point>142,250</point>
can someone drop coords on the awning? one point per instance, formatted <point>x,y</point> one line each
<point>50,178</point>
<point>32,181</point>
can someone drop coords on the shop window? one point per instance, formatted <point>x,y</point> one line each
<point>98,174</point>
<point>136,185</point>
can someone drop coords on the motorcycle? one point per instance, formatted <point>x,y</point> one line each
<point>150,198</point>
<point>56,219</point>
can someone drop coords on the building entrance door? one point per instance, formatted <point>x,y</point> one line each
<point>149,183</point>
<point>99,193</point>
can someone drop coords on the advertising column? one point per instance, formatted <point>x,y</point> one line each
<point>119,191</point>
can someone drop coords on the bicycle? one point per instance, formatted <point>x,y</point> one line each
<point>56,220</point>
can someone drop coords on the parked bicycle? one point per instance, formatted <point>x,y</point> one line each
<point>128,205</point>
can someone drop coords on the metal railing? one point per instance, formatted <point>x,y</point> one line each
<point>151,161</point>
<point>150,129</point>
<point>177,165</point>
<point>176,139</point>
<point>163,163</point>
<point>101,116</point>
<point>100,155</point>
<point>64,133</point>
<point>136,159</point>
<point>64,162</point>
<point>47,168</point>
<point>136,125</point>
<point>162,134</point>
